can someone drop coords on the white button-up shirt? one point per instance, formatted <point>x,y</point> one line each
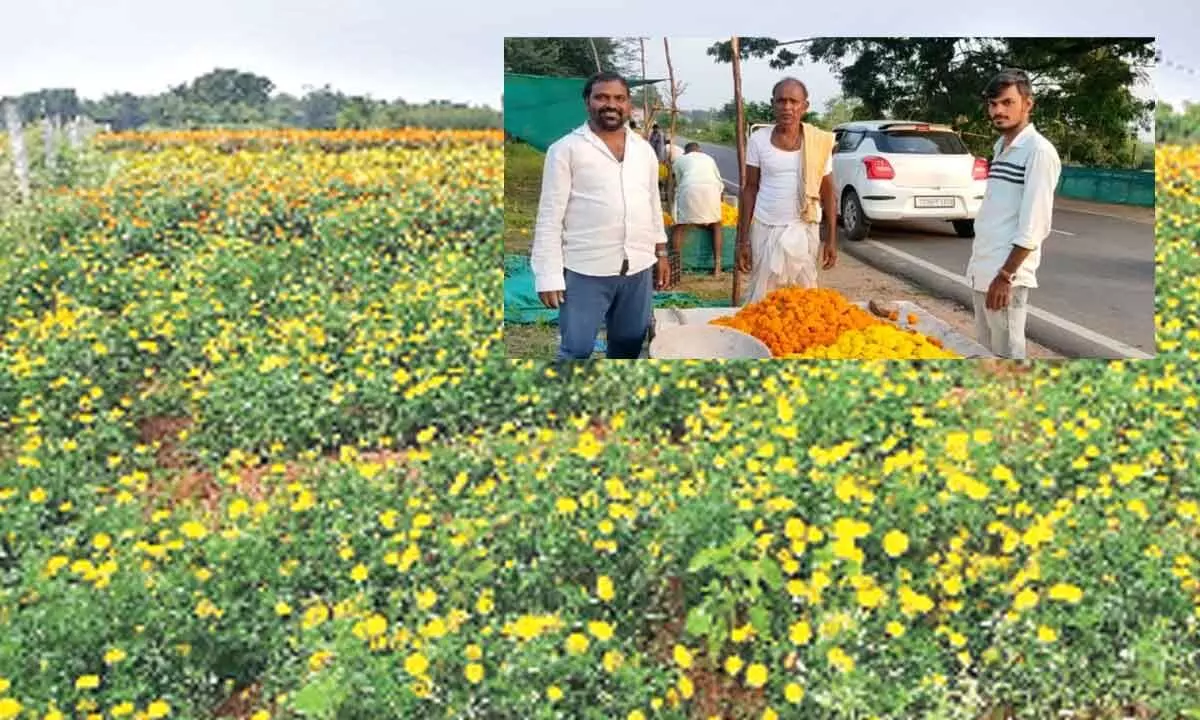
<point>596,211</point>
<point>1017,208</point>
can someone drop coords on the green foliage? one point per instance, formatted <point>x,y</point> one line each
<point>231,98</point>
<point>1178,127</point>
<point>363,535</point>
<point>1082,86</point>
<point>566,57</point>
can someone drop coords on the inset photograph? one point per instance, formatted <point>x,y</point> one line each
<point>705,198</point>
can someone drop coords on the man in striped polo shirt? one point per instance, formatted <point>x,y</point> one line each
<point>1014,219</point>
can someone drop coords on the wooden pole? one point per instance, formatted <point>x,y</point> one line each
<point>595,54</point>
<point>645,94</point>
<point>741,154</point>
<point>674,112</point>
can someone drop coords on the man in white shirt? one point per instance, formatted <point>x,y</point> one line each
<point>779,225</point>
<point>698,188</point>
<point>1014,219</point>
<point>599,246</point>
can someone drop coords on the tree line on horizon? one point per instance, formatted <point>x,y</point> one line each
<point>232,98</point>
<point>1083,86</point>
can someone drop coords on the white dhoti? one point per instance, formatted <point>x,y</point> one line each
<point>782,256</point>
<point>697,205</point>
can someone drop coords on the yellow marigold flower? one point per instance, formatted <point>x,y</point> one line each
<point>683,657</point>
<point>416,664</point>
<point>604,588</point>
<point>193,530</point>
<point>794,693</point>
<point>10,708</point>
<point>1025,600</point>
<point>577,643</point>
<point>756,675</point>
<point>612,661</point>
<point>686,688</point>
<point>895,543</point>
<point>600,630</point>
<point>1066,593</point>
<point>800,633</point>
<point>474,673</point>
<point>839,659</point>
<point>87,682</point>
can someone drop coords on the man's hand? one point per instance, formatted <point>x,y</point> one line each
<point>552,299</point>
<point>662,273</point>
<point>828,255</point>
<point>998,294</point>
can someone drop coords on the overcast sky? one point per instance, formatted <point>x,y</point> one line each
<point>452,50</point>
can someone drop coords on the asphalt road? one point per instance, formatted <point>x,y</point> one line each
<point>1097,271</point>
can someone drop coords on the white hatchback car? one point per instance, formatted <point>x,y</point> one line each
<point>904,170</point>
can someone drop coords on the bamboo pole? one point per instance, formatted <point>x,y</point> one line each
<point>741,153</point>
<point>595,54</point>
<point>645,93</point>
<point>674,113</point>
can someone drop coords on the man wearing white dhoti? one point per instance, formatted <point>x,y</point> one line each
<point>698,187</point>
<point>788,192</point>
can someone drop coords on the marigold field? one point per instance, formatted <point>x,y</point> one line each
<point>262,457</point>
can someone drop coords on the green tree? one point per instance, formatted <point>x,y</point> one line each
<point>841,109</point>
<point>229,87</point>
<point>1083,86</point>
<point>565,57</point>
<point>320,106</point>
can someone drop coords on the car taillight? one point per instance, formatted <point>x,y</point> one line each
<point>878,168</point>
<point>980,172</point>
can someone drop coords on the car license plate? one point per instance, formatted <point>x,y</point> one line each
<point>934,202</point>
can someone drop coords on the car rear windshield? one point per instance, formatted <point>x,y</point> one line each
<point>920,142</point>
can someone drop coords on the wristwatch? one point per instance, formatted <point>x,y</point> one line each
<point>661,253</point>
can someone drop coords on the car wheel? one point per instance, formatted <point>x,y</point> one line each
<point>964,228</point>
<point>853,218</point>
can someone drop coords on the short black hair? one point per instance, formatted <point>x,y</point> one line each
<point>785,81</point>
<point>605,76</point>
<point>691,146</point>
<point>654,126</point>
<point>1006,78</point>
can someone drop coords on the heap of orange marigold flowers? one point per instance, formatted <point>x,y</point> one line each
<point>822,323</point>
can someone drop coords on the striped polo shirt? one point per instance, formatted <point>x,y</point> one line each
<point>1017,208</point>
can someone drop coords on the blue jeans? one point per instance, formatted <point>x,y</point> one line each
<point>623,303</point>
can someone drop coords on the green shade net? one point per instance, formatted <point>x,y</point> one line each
<point>522,306</point>
<point>539,109</point>
<point>696,255</point>
<point>1125,187</point>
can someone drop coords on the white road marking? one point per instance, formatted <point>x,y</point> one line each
<point>1062,232</point>
<point>1114,216</point>
<point>1091,335</point>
